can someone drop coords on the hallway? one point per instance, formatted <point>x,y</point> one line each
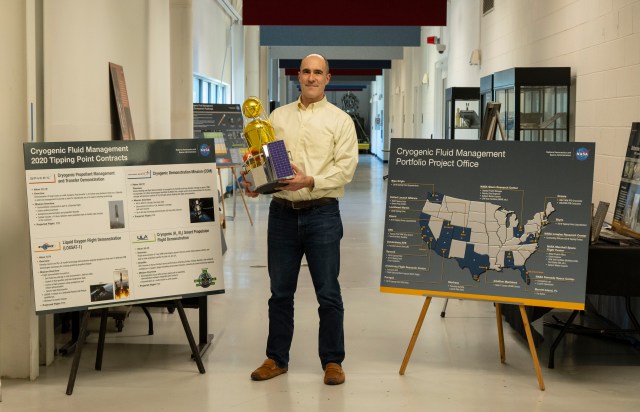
<point>455,364</point>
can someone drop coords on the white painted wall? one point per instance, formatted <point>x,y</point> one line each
<point>158,86</point>
<point>600,41</point>
<point>80,39</point>
<point>412,91</point>
<point>251,61</point>
<point>18,323</point>
<point>397,84</point>
<point>461,38</point>
<point>430,57</point>
<point>181,61</point>
<point>237,66</point>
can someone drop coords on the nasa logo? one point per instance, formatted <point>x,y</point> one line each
<point>205,149</point>
<point>582,153</point>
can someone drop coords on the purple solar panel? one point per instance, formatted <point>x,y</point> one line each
<point>280,159</point>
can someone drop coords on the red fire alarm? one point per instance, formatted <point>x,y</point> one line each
<point>433,40</point>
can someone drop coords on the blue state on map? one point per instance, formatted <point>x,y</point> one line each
<point>480,236</point>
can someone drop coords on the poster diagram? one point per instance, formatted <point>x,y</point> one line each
<point>489,220</point>
<point>122,221</point>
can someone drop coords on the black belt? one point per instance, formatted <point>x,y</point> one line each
<point>305,204</point>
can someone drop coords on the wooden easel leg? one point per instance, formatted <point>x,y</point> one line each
<point>500,332</point>
<point>243,198</point>
<point>416,332</point>
<point>187,330</point>
<point>82,336</point>
<point>224,212</point>
<point>532,348</point>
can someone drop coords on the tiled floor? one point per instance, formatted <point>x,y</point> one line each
<point>455,364</point>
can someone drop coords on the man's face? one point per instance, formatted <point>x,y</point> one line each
<point>313,78</point>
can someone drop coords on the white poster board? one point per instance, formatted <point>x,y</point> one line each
<point>120,222</point>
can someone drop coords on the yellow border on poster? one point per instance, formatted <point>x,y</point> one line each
<point>499,299</point>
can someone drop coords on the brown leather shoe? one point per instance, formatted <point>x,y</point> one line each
<point>268,370</point>
<point>333,374</point>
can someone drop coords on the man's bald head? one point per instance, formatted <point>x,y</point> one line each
<point>326,62</point>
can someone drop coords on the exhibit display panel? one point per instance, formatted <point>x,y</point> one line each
<point>489,220</point>
<point>224,125</point>
<point>626,218</point>
<point>535,102</point>
<point>122,222</point>
<point>462,114</point>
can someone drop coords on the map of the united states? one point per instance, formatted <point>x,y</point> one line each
<point>480,236</point>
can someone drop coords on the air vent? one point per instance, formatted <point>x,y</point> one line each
<point>487,6</point>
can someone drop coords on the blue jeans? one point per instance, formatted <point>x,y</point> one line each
<point>316,233</point>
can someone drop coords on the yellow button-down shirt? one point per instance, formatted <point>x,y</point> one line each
<point>322,142</point>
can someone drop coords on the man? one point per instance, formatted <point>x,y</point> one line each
<point>304,219</point>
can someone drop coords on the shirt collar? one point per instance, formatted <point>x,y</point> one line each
<point>313,106</point>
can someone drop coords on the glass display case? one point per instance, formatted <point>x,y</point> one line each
<point>462,114</point>
<point>534,102</point>
<point>486,94</point>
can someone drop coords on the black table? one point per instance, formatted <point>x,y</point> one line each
<point>611,271</point>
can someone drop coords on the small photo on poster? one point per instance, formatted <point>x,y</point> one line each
<point>632,209</point>
<point>201,210</point>
<point>636,171</point>
<point>116,214</point>
<point>121,283</point>
<point>627,171</point>
<point>101,291</point>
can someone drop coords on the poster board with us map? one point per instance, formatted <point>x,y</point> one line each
<point>489,220</point>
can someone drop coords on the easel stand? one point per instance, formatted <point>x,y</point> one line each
<point>233,186</point>
<point>195,354</point>
<point>527,328</point>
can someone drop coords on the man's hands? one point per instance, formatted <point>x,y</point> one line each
<point>299,180</point>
